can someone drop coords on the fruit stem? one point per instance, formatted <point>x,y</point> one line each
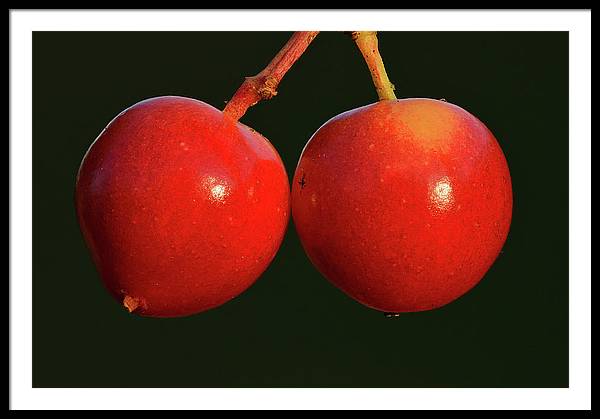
<point>263,86</point>
<point>369,47</point>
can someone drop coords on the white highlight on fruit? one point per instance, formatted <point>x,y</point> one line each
<point>218,192</point>
<point>441,194</point>
<point>218,189</point>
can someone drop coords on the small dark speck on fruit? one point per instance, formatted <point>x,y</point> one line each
<point>302,181</point>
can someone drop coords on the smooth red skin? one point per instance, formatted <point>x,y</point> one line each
<point>405,204</point>
<point>182,207</point>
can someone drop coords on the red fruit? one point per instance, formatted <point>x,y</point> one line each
<point>181,206</point>
<point>403,204</point>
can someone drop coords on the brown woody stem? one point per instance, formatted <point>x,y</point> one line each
<point>263,86</point>
<point>369,48</point>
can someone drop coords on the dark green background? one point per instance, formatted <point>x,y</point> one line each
<point>292,328</point>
